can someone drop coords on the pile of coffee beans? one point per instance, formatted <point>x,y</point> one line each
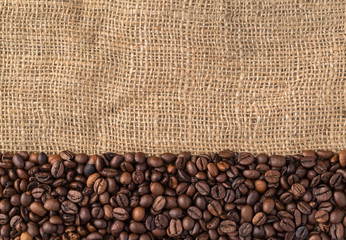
<point>133,196</point>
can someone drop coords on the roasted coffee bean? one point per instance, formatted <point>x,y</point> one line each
<point>287,225</point>
<point>218,192</point>
<point>321,216</point>
<point>308,161</point>
<point>202,187</point>
<point>194,212</point>
<point>175,228</point>
<point>298,189</point>
<point>161,221</point>
<point>227,227</point>
<point>57,169</point>
<point>159,203</point>
<point>277,161</point>
<point>272,176</point>
<point>302,233</point>
<point>215,208</point>
<point>74,196</point>
<point>69,207</point>
<point>259,219</point>
<point>245,229</point>
<point>245,158</point>
<point>323,194</point>
<point>52,205</point>
<point>120,214</point>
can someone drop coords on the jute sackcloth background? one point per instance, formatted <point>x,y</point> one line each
<point>161,75</point>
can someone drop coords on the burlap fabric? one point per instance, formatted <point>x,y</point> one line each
<point>156,76</point>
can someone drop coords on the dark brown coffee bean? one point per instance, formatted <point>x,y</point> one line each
<point>339,197</point>
<point>74,196</point>
<point>203,188</point>
<point>335,180</point>
<point>215,208</point>
<point>57,169</point>
<point>67,155</point>
<point>298,189</point>
<point>201,163</point>
<point>218,192</point>
<point>308,161</point>
<point>302,233</point>
<point>69,207</point>
<point>184,201</point>
<point>337,231</point>
<point>272,176</point>
<point>342,158</point>
<point>175,228</point>
<point>277,161</point>
<point>52,205</point>
<point>227,227</point>
<point>138,177</point>
<point>245,158</point>
<point>120,214</point>
<point>155,162</point>
<point>161,221</point>
<point>194,212</point>
<point>38,209</point>
<point>287,225</point>
<point>18,161</point>
<point>304,207</point>
<point>159,203</point>
<point>321,216</point>
<point>100,185</point>
<point>286,197</point>
<point>245,229</point>
<point>259,219</point>
<point>323,194</point>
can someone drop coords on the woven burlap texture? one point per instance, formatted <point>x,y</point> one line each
<point>156,76</point>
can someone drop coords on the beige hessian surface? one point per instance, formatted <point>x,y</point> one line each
<point>156,76</point>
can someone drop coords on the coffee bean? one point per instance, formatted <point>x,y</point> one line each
<point>161,221</point>
<point>100,185</point>
<point>215,208</point>
<point>304,207</point>
<point>259,219</point>
<point>323,194</point>
<point>67,155</point>
<point>120,214</point>
<point>227,227</point>
<point>52,205</point>
<point>175,228</point>
<point>335,180</point>
<point>203,188</point>
<point>155,162</point>
<point>298,189</point>
<point>245,158</point>
<point>321,216</point>
<point>308,161</point>
<point>287,225</point>
<point>74,196</point>
<point>18,161</point>
<point>268,205</point>
<point>277,161</point>
<point>57,169</point>
<point>69,207</point>
<point>302,233</point>
<point>159,203</point>
<point>194,212</point>
<point>245,229</point>
<point>272,176</point>
<point>337,231</point>
<point>38,209</point>
<point>342,158</point>
<point>218,192</point>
